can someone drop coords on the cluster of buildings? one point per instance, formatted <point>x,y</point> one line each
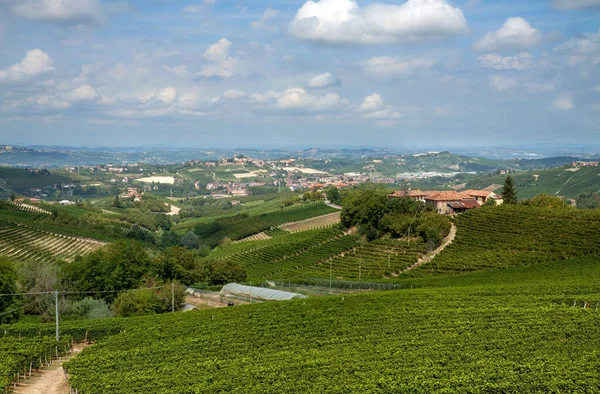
<point>578,164</point>
<point>450,202</point>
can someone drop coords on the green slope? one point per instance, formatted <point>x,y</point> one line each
<point>513,332</point>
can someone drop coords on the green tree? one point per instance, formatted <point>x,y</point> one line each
<point>509,195</point>
<point>546,201</point>
<point>8,280</point>
<point>116,267</point>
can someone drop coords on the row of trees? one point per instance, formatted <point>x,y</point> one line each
<point>122,278</point>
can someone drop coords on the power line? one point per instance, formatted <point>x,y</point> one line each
<point>24,306</point>
<point>80,292</point>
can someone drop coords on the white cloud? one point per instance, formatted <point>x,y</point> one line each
<point>263,22</point>
<point>221,64</point>
<point>576,4</point>
<point>373,102</point>
<point>324,80</point>
<point>563,104</point>
<point>180,71</point>
<point>196,8</point>
<point>58,11</point>
<point>35,62</point>
<point>48,102</point>
<point>374,107</point>
<point>502,84</point>
<point>84,93</point>
<point>597,88</point>
<point>298,98</point>
<point>343,21</point>
<point>233,94</point>
<point>387,65</point>
<point>521,61</point>
<point>218,51</point>
<point>516,33</point>
<point>581,50</point>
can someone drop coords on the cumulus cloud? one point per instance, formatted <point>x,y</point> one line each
<point>576,4</point>
<point>502,84</point>
<point>516,33</point>
<point>264,21</point>
<point>298,99</point>
<point>35,62</point>
<point>84,93</point>
<point>221,63</point>
<point>324,80</point>
<point>58,11</point>
<point>597,88</point>
<point>563,104</point>
<point>521,61</point>
<point>374,107</point>
<point>344,22</point>
<point>233,94</point>
<point>387,65</point>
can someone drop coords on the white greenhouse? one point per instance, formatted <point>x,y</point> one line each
<point>258,292</point>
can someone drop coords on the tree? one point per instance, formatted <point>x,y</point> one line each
<point>545,201</point>
<point>509,195</point>
<point>7,286</point>
<point>116,267</point>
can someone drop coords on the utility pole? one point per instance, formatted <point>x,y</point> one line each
<point>330,272</point>
<point>56,311</point>
<point>172,297</point>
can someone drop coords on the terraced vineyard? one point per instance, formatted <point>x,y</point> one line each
<point>504,331</point>
<point>508,235</point>
<point>287,257</point>
<point>29,208</point>
<point>371,262</point>
<point>19,354</point>
<point>26,243</point>
<point>296,213</point>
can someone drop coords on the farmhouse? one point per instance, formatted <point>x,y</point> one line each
<point>479,195</point>
<point>439,200</point>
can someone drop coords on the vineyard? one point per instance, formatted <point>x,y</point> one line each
<point>507,236</point>
<point>296,213</point>
<point>25,243</point>
<point>19,355</point>
<point>524,329</point>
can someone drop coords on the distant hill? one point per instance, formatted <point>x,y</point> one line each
<point>566,182</point>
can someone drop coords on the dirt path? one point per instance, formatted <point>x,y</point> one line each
<point>429,256</point>
<point>50,380</point>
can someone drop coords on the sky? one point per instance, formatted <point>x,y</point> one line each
<point>326,73</point>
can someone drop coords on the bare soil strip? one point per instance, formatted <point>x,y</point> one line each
<point>429,256</point>
<point>50,380</point>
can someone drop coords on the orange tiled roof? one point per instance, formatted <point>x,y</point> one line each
<point>445,196</point>
<point>477,193</point>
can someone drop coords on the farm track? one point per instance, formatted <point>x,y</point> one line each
<point>51,380</point>
<point>429,256</point>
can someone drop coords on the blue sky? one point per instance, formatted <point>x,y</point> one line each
<point>212,73</point>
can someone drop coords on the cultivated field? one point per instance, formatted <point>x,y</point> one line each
<point>320,221</point>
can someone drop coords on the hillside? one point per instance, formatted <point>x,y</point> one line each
<point>567,182</point>
<point>519,330</point>
<point>509,235</point>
